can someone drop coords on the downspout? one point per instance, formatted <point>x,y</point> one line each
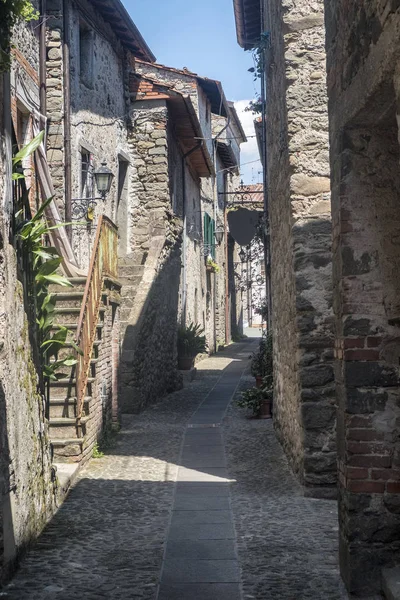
<point>184,250</point>
<point>67,116</point>
<point>267,250</point>
<point>42,54</point>
<point>227,319</point>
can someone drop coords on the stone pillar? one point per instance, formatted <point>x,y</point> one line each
<point>299,201</point>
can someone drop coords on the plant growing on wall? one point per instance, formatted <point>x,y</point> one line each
<point>43,264</point>
<point>258,52</point>
<point>10,12</point>
<point>212,265</point>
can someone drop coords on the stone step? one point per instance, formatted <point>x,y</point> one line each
<point>78,284</point>
<point>67,449</point>
<point>73,326</point>
<point>68,314</point>
<point>68,350</point>
<point>391,583</point>
<point>72,299</point>
<point>66,428</point>
<point>66,387</point>
<point>66,407</point>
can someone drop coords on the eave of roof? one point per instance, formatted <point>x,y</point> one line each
<point>114,13</point>
<point>212,88</point>
<point>238,123</point>
<point>227,156</point>
<point>258,132</point>
<point>248,22</point>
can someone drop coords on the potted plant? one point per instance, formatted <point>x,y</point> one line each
<point>262,370</point>
<point>191,342</point>
<point>251,399</point>
<point>211,265</point>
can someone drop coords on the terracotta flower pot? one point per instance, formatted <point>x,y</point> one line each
<point>259,382</point>
<point>265,409</point>
<point>185,363</point>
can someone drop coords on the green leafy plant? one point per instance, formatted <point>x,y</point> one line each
<point>255,106</point>
<point>43,262</point>
<point>191,341</point>
<point>262,360</point>
<point>10,12</point>
<point>97,453</point>
<point>251,399</point>
<point>258,52</point>
<point>212,264</point>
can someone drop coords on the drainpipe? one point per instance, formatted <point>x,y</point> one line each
<point>67,116</point>
<point>227,320</point>
<point>184,250</point>
<point>267,249</point>
<point>42,66</point>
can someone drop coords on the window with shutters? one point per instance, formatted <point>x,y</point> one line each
<point>208,235</point>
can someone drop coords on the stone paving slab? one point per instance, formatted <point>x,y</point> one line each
<point>178,570</point>
<point>200,490</point>
<point>202,531</point>
<point>200,502</point>
<point>210,591</point>
<point>184,517</point>
<point>201,549</point>
<point>210,475</point>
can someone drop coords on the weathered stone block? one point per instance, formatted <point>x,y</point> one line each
<point>317,415</point>
<point>316,375</point>
<point>368,374</point>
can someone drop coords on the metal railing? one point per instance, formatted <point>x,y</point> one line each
<point>104,262</point>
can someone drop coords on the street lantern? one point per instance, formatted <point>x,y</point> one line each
<point>243,255</point>
<point>219,235</point>
<point>104,178</point>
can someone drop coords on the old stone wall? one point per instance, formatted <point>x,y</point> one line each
<point>98,113</point>
<point>151,270</point>
<point>298,180</point>
<point>363,42</point>
<point>27,482</point>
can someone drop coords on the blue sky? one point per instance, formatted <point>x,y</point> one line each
<point>201,36</point>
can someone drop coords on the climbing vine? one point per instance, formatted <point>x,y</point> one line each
<point>12,11</point>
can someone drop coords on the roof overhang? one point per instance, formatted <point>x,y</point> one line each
<point>248,22</point>
<point>187,128</point>
<point>258,128</point>
<point>114,13</point>
<point>227,156</point>
<point>215,93</point>
<point>238,124</point>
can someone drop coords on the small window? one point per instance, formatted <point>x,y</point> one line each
<point>86,39</point>
<point>86,174</point>
<point>209,235</point>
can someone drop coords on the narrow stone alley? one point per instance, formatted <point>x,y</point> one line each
<point>192,503</point>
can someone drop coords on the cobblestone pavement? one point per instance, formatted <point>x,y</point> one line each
<point>107,541</point>
<point>287,544</point>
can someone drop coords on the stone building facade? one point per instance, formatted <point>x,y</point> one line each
<point>290,36</point>
<point>362,41</point>
<point>173,192</point>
